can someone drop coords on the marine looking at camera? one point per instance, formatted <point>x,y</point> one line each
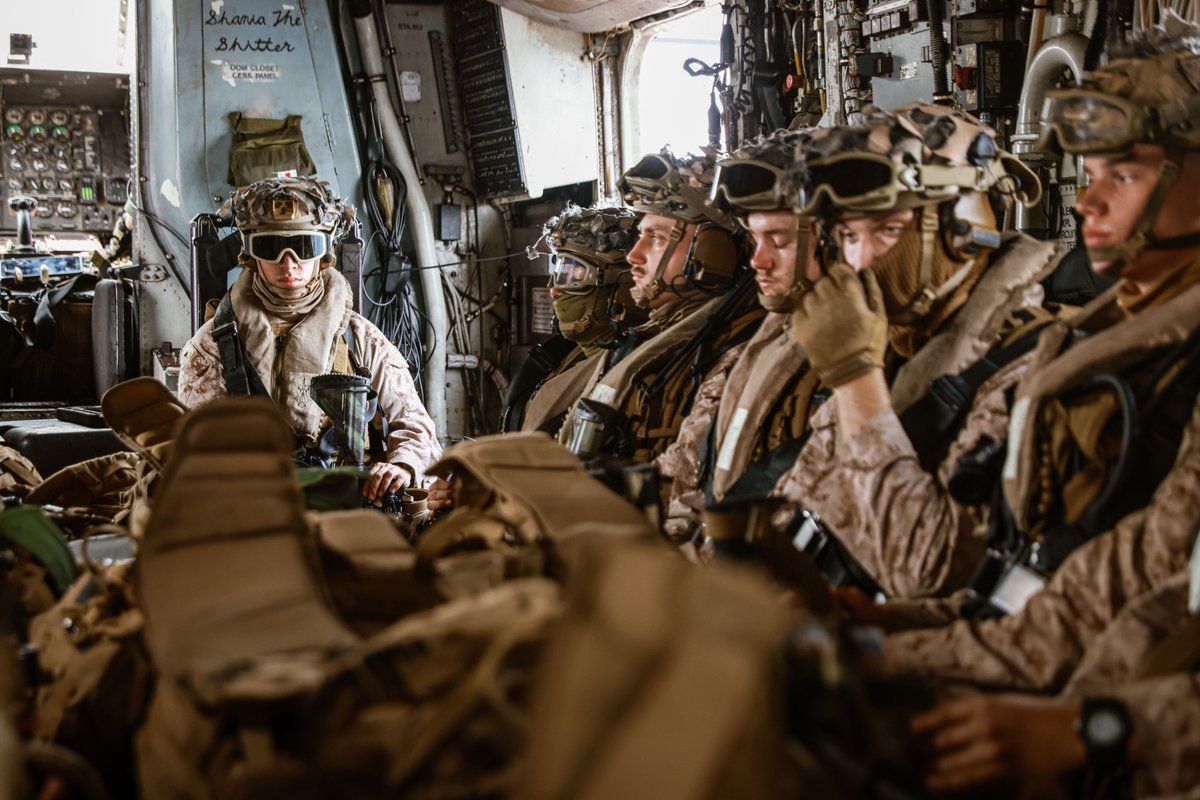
<point>288,318</point>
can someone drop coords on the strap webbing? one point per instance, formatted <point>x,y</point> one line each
<point>240,378</point>
<point>933,421</point>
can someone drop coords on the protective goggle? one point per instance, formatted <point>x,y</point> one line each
<point>647,179</point>
<point>272,246</point>
<point>1086,121</point>
<point>745,184</point>
<point>873,182</point>
<point>574,275</point>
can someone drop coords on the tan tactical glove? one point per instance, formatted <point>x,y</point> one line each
<point>841,325</point>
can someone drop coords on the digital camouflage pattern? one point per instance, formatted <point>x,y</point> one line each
<point>1163,700</point>
<point>895,517</point>
<point>1040,647</point>
<point>412,439</point>
<point>761,392</point>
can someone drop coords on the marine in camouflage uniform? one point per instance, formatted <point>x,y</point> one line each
<point>590,283</point>
<point>907,194</point>
<point>290,331</point>
<point>687,269</point>
<point>1135,123</point>
<point>762,415</point>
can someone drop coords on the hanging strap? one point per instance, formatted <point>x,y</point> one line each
<point>43,329</point>
<point>240,378</point>
<point>934,421</point>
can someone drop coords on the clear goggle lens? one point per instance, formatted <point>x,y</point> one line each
<point>745,184</point>
<point>272,246</point>
<point>571,274</point>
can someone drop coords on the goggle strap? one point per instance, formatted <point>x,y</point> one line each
<point>699,201</point>
<point>938,176</point>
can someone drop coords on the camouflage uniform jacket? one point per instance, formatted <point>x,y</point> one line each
<point>744,416</point>
<point>896,518</point>
<point>1041,646</point>
<point>1163,704</point>
<point>412,440</point>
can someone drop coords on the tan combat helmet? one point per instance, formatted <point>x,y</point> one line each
<point>587,264</point>
<point>941,162</point>
<point>1151,98</point>
<point>678,187</point>
<point>748,181</point>
<point>276,215</point>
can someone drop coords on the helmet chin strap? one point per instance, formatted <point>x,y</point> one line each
<point>785,303</point>
<point>1120,256</point>
<point>644,295</point>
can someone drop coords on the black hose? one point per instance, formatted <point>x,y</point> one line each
<point>937,51</point>
<point>359,8</point>
<point>1097,37</point>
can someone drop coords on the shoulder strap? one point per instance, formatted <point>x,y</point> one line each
<point>240,378</point>
<point>724,317</point>
<point>760,477</point>
<point>933,421</point>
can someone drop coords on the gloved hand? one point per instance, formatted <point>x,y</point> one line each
<point>841,325</point>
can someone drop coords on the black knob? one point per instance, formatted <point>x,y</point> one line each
<point>23,205</point>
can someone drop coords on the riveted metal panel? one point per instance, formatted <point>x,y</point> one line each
<point>200,61</point>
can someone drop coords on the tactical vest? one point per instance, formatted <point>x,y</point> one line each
<point>653,387</point>
<point>552,399</point>
<point>763,417</point>
<point>934,390</point>
<point>1148,368</point>
<point>544,361</point>
<point>242,380</point>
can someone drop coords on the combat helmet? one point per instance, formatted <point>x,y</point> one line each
<point>1151,97</point>
<point>587,265</point>
<point>278,215</point>
<point>748,181</point>
<point>941,162</point>
<point>675,187</point>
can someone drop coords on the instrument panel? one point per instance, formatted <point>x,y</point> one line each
<point>66,144</point>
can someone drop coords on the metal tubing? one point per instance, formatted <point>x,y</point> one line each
<point>1056,55</point>
<point>421,220</point>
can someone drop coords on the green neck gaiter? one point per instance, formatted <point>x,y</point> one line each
<point>583,318</point>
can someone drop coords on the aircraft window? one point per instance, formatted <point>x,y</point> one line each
<point>93,41</point>
<point>672,105</point>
